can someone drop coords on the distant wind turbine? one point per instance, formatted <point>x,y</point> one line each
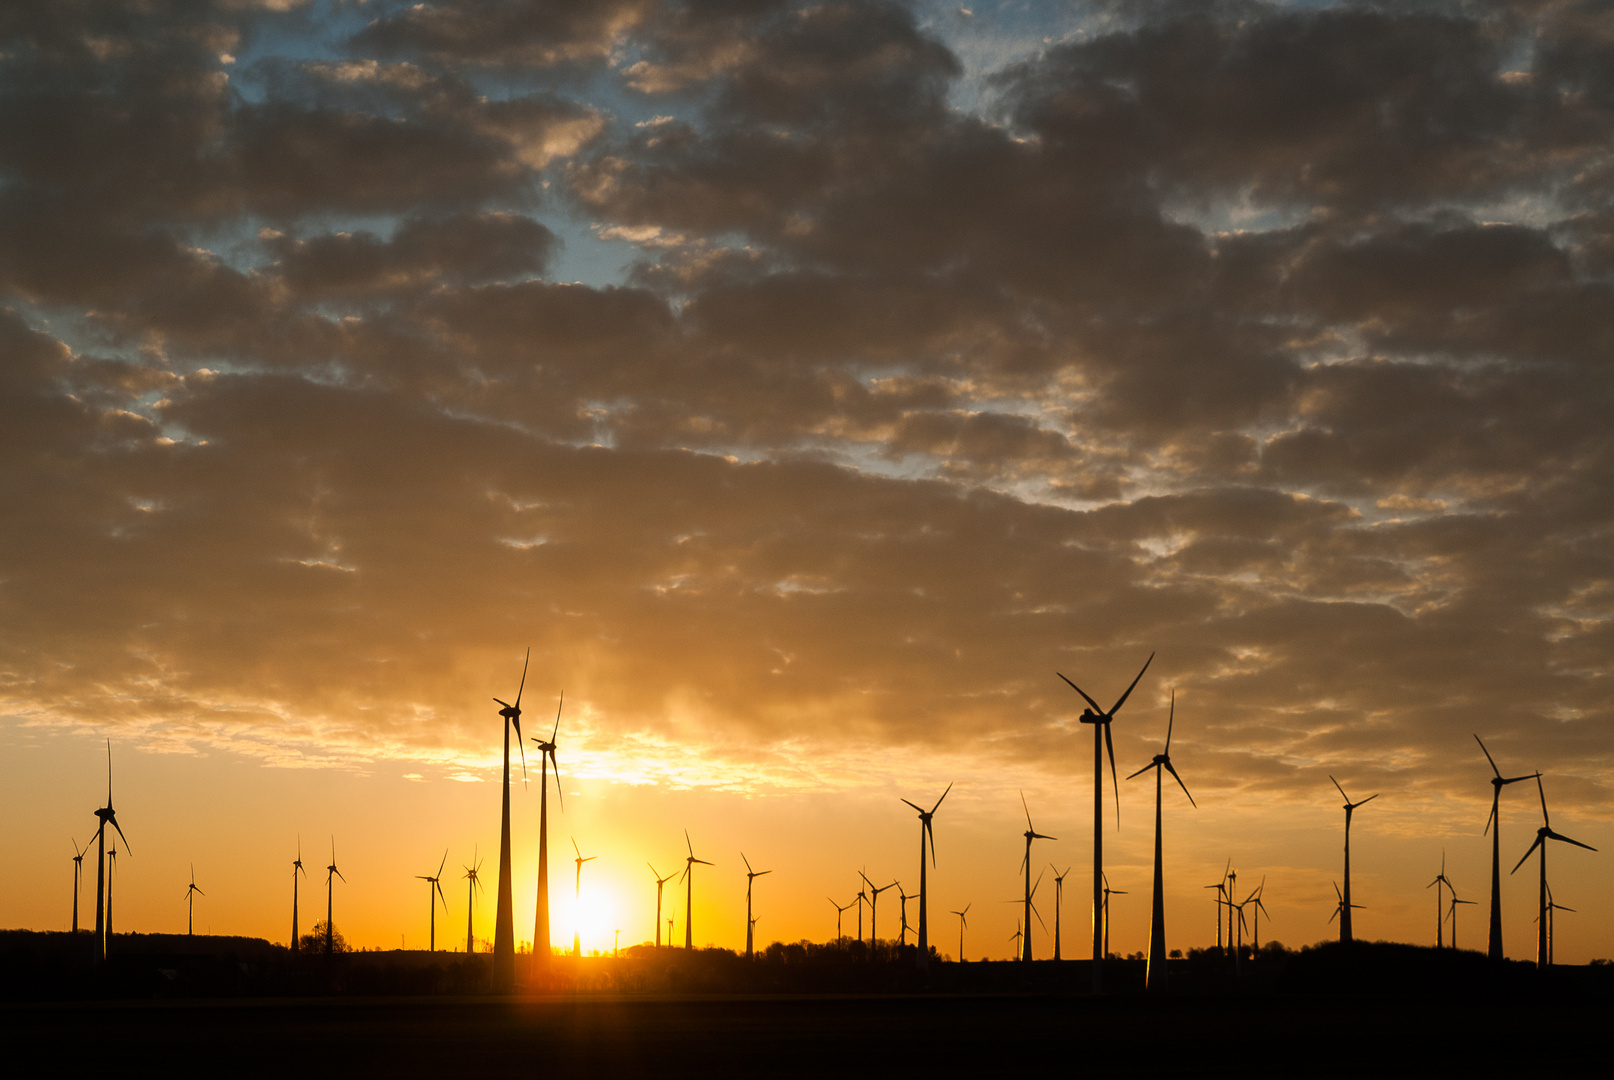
<point>874,901</point>
<point>1108,892</point>
<point>1543,834</point>
<point>1031,834</point>
<point>296,868</point>
<point>1221,898</point>
<point>434,893</point>
<point>1345,905</point>
<point>473,882</point>
<point>111,872</point>
<point>1439,885</point>
<point>504,925</point>
<point>1101,720</point>
<point>1059,895</point>
<point>1155,973</point>
<point>103,900</point>
<point>1493,825</point>
<point>926,833</point>
<point>689,891</point>
<point>840,909</point>
<point>331,874</point>
<point>191,892</point>
<point>1340,905</point>
<point>903,898</point>
<point>577,937</point>
<point>660,881</point>
<point>750,923</point>
<point>962,923</point>
<point>1453,917</point>
<point>1552,906</point>
<point>1260,909</point>
<point>78,877</point>
<point>546,757</point>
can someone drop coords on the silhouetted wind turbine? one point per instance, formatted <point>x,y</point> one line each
<point>689,891</point>
<point>750,876</point>
<point>1340,906</point>
<point>103,902</point>
<point>962,923</point>
<point>1544,834</point>
<point>1031,834</point>
<point>1493,825</point>
<point>1155,973</point>
<point>504,925</point>
<point>903,898</point>
<point>874,902</point>
<point>577,937</point>
<point>111,872</point>
<point>1108,892</point>
<point>660,881</point>
<point>1018,935</point>
<point>296,868</point>
<point>546,756</point>
<point>1221,898</point>
<point>434,893</point>
<point>1102,740</point>
<point>839,910</point>
<point>1453,917</point>
<point>1059,895</point>
<point>473,882</point>
<point>1552,919</point>
<point>331,874</point>
<point>926,833</point>
<point>1439,884</point>
<point>78,876</point>
<point>190,904</point>
<point>861,900</point>
<point>1345,899</point>
<point>1260,909</point>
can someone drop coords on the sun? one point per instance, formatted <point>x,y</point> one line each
<point>592,917</point>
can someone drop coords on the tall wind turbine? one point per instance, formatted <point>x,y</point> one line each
<point>296,868</point>
<point>1493,825</point>
<point>750,923</point>
<point>1543,834</point>
<point>331,874</point>
<point>1340,906</point>
<point>1260,910</point>
<point>577,937</point>
<point>473,882</point>
<point>1059,896</point>
<point>1102,740</point>
<point>434,893</point>
<point>1031,834</point>
<point>903,898</point>
<point>546,757</point>
<point>1346,906</point>
<point>1221,898</point>
<point>926,833</point>
<point>106,816</point>
<point>1439,885</point>
<point>962,923</point>
<point>1108,892</point>
<point>689,891</point>
<point>660,881</point>
<point>1552,906</point>
<point>504,925</point>
<point>840,909</point>
<point>874,907</point>
<point>78,877</point>
<point>1155,973</point>
<point>1453,917</point>
<point>190,904</point>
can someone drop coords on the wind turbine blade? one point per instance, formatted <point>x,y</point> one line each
<point>516,720</point>
<point>1527,854</point>
<point>1109,744</point>
<point>931,833</point>
<point>1543,792</point>
<point>1171,718</point>
<point>1496,796</point>
<point>560,792</point>
<point>688,844</point>
<point>1090,702</point>
<point>575,848</point>
<point>937,807</point>
<point>1027,809</point>
<point>747,862</point>
<point>339,874</point>
<point>1565,839</point>
<point>1347,798</point>
<point>1181,785</point>
<point>1488,757</point>
<point>1369,799</point>
<point>500,701</point>
<point>921,809</point>
<point>126,851</point>
<point>1122,700</point>
<point>1145,769</point>
<point>653,872</point>
<point>523,686</point>
<point>558,707</point>
<point>443,863</point>
<point>1337,893</point>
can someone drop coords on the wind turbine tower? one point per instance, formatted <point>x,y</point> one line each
<point>1059,895</point>
<point>473,882</point>
<point>750,923</point>
<point>190,904</point>
<point>1493,825</point>
<point>1543,834</point>
<point>1101,741</point>
<point>504,925</point>
<point>1345,905</point>
<point>1155,973</point>
<point>660,881</point>
<point>434,893</point>
<point>78,877</point>
<point>926,833</point>
<point>689,891</point>
<point>1440,884</point>
<point>577,936</point>
<point>331,874</point>
<point>962,923</point>
<point>546,757</point>
<point>1031,834</point>
<point>103,899</point>
<point>296,868</point>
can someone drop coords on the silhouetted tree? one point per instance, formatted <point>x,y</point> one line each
<point>314,940</point>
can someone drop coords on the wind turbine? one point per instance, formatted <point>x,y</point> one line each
<point>660,881</point>
<point>689,891</point>
<point>331,873</point>
<point>546,756</point>
<point>1260,909</point>
<point>577,937</point>
<point>1155,973</point>
<point>504,925</point>
<point>1059,894</point>
<point>1340,906</point>
<point>78,877</point>
<point>111,872</point>
<point>861,899</point>
<point>1102,740</point>
<point>1018,935</point>
<point>1108,892</point>
<point>473,882</point>
<point>750,923</point>
<point>190,904</point>
<point>1024,954</point>
<point>1025,864</point>
<point>1551,920</point>
<point>1439,884</point>
<point>1221,898</point>
<point>1453,917</point>
<point>434,892</point>
<point>1345,899</point>
<point>103,900</point>
<point>1543,834</point>
<point>962,923</point>
<point>1238,949</point>
<point>874,907</point>
<point>926,832</point>
<point>839,911</point>
<point>1493,825</point>
<point>296,868</point>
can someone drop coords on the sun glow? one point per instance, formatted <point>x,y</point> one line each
<point>592,917</point>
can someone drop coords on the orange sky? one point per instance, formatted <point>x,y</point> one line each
<point>805,385</point>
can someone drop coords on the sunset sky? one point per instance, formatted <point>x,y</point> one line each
<point>805,384</point>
